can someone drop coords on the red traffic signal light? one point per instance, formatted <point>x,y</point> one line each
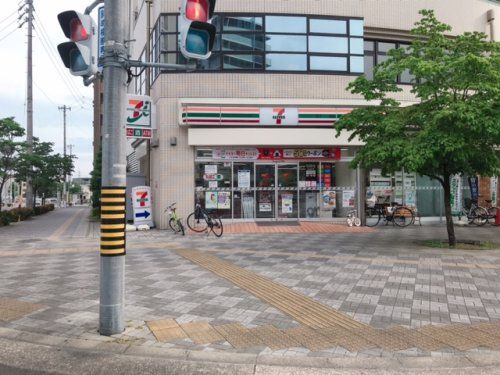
<point>80,53</point>
<point>197,34</point>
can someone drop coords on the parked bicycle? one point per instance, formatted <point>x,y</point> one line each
<point>476,214</point>
<point>399,215</point>
<point>174,222</point>
<point>202,221</point>
<point>353,219</point>
<point>492,211</point>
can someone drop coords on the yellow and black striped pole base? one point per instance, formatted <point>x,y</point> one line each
<point>113,206</point>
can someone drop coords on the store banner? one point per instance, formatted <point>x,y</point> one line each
<point>276,153</point>
<point>456,194</point>
<point>279,116</point>
<point>348,198</point>
<point>139,117</point>
<point>493,190</point>
<point>474,188</point>
<point>260,116</point>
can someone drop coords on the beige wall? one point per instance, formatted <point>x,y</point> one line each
<point>173,166</point>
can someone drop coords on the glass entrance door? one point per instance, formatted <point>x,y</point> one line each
<point>287,176</point>
<point>276,191</point>
<point>265,185</point>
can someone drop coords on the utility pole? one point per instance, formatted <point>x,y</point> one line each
<point>64,108</point>
<point>112,280</point>
<point>29,100</point>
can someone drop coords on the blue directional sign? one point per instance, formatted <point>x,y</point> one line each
<point>144,214</point>
<point>100,34</point>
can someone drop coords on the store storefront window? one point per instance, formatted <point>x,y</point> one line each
<point>213,187</point>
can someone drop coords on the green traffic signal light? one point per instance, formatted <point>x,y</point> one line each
<point>197,41</point>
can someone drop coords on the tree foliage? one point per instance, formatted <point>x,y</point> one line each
<point>454,128</point>
<point>46,169</point>
<point>10,146</point>
<point>95,181</point>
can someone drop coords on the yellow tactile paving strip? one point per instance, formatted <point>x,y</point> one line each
<point>429,338</point>
<point>13,309</point>
<point>323,327</point>
<point>301,308</point>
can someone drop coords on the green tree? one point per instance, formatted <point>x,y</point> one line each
<point>95,181</point>
<point>10,145</point>
<point>45,168</point>
<point>455,126</point>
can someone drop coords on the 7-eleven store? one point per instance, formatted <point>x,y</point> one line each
<point>270,162</point>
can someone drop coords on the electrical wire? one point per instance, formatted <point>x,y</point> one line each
<point>13,22</point>
<point>55,59</point>
<point>75,92</point>
<point>6,18</point>
<point>13,31</point>
<point>44,93</point>
<point>70,88</point>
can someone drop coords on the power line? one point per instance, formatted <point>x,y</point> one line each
<point>13,22</point>
<point>44,93</point>
<point>12,32</point>
<point>10,15</point>
<point>70,88</point>
<point>48,41</point>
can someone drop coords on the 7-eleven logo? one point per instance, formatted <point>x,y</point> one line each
<point>141,109</point>
<point>278,115</point>
<point>142,198</point>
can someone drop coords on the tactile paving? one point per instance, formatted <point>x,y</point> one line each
<point>384,339</point>
<point>12,309</point>
<point>274,338</point>
<point>309,338</point>
<point>166,330</point>
<point>448,337</point>
<point>238,335</point>
<point>201,332</point>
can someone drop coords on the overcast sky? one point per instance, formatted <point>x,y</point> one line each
<point>53,86</point>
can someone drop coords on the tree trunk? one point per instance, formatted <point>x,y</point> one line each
<point>452,241</point>
<point>1,190</point>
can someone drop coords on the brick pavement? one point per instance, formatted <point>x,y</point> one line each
<point>382,279</point>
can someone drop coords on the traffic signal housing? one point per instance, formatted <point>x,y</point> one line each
<point>196,32</point>
<point>80,54</point>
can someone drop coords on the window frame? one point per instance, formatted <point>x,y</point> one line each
<point>264,52</point>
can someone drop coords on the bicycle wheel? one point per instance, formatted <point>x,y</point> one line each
<point>172,223</point>
<point>196,222</point>
<point>492,214</point>
<point>479,216</point>
<point>357,222</point>
<point>372,217</point>
<point>181,227</point>
<point>403,216</point>
<point>349,222</point>
<point>217,227</point>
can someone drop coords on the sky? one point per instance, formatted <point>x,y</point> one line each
<point>53,85</point>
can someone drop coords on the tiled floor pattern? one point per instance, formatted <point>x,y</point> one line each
<point>12,309</point>
<point>428,338</point>
<point>302,227</point>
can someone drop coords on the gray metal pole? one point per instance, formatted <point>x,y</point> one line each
<point>112,280</point>
<point>29,100</point>
<point>64,109</point>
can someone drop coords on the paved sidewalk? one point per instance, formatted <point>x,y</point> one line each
<point>378,279</point>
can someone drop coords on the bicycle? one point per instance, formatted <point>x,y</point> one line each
<point>476,214</point>
<point>353,219</point>
<point>201,221</point>
<point>400,215</point>
<point>174,222</point>
<point>491,211</point>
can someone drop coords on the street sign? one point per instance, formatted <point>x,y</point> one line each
<point>139,117</point>
<point>141,202</point>
<point>100,36</point>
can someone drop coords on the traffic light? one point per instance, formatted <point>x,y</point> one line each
<point>79,55</point>
<point>196,32</point>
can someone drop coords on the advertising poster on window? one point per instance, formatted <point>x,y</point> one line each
<point>348,198</point>
<point>243,178</point>
<point>287,203</point>
<point>329,199</point>
<point>210,169</point>
<point>224,200</point>
<point>213,184</point>
<point>265,207</point>
<point>211,199</point>
<point>410,198</point>
<point>493,190</point>
<point>456,194</point>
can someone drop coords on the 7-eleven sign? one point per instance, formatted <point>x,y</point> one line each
<point>140,111</point>
<point>141,197</point>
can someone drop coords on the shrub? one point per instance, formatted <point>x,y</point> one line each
<point>43,209</point>
<point>5,218</point>
<point>21,213</point>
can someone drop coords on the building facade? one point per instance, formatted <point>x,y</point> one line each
<point>249,133</point>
